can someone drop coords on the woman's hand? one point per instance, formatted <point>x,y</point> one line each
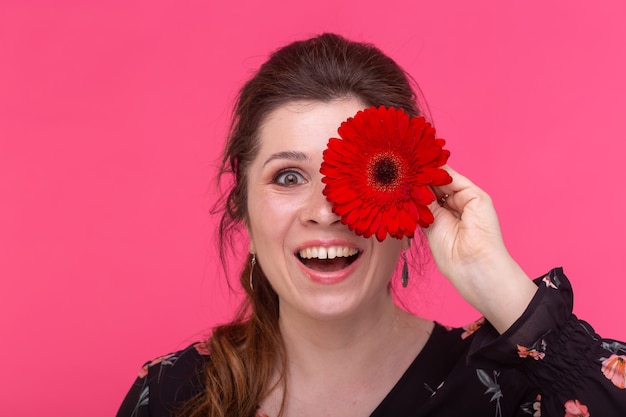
<point>467,246</point>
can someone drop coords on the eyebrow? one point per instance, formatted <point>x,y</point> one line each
<point>292,155</point>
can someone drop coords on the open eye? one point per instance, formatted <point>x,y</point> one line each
<point>288,178</point>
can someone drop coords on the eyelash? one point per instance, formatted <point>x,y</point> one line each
<point>283,173</point>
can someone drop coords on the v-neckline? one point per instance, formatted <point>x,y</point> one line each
<point>420,368</point>
<point>425,374</point>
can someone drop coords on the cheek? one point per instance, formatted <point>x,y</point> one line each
<point>389,253</point>
<point>270,217</point>
<point>270,227</point>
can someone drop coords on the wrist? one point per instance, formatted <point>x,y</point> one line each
<point>498,288</point>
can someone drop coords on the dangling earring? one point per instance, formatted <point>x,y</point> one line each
<point>405,271</point>
<point>252,263</point>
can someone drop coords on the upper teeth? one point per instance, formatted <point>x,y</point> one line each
<point>330,252</point>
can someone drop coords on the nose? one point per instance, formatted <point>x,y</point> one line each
<point>317,209</point>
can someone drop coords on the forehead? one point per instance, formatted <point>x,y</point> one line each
<point>305,125</point>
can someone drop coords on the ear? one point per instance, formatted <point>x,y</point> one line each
<point>251,246</point>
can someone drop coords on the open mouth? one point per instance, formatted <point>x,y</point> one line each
<point>328,259</point>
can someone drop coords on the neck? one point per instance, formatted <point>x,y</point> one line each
<point>360,356</point>
<point>322,343</point>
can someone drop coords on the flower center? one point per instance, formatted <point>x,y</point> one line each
<point>384,172</point>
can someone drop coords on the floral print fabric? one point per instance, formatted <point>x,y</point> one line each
<point>548,363</point>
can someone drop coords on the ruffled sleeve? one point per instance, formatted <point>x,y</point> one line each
<point>576,372</point>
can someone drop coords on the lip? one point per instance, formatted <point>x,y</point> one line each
<point>333,277</point>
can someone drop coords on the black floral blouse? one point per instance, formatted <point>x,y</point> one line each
<point>548,363</point>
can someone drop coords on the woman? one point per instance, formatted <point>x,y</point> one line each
<point>319,332</point>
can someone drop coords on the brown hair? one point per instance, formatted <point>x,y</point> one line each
<point>247,353</point>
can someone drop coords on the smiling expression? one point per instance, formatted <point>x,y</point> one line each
<point>316,265</point>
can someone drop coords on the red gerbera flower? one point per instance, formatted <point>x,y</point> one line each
<point>378,174</point>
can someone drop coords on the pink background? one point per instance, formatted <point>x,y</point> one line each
<point>112,115</point>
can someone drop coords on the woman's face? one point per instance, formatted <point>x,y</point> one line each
<point>316,265</point>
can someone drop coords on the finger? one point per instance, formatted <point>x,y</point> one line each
<point>456,195</point>
<point>444,207</point>
<point>459,182</point>
<point>447,201</point>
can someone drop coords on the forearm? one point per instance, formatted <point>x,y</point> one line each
<point>498,288</point>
